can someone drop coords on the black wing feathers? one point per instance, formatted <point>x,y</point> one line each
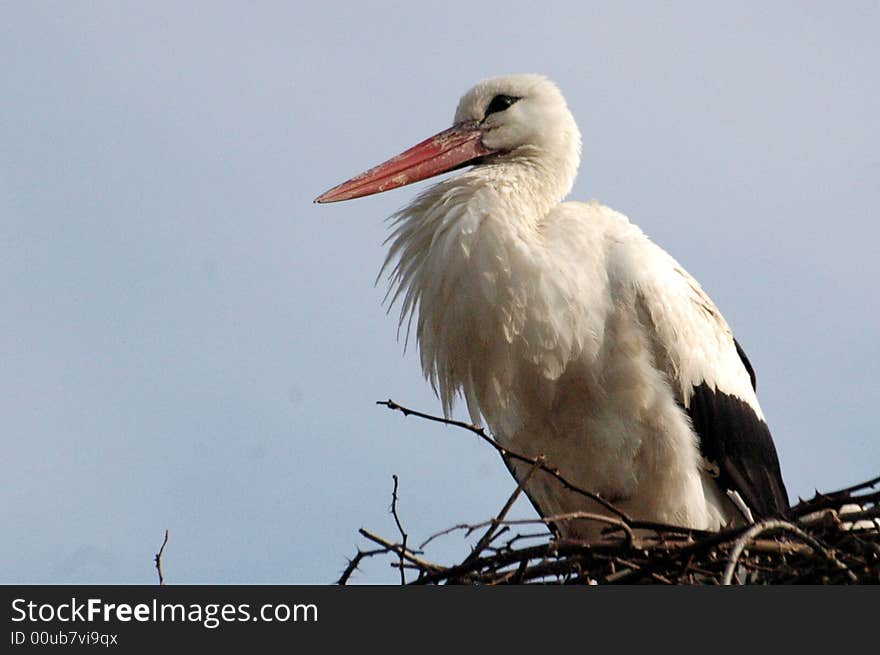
<point>739,442</point>
<point>747,364</point>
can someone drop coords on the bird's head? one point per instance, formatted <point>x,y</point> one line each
<point>518,118</point>
<point>521,116</point>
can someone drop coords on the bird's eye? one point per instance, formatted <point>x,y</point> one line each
<point>500,103</point>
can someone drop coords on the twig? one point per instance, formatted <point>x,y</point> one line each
<point>158,559</point>
<point>867,484</point>
<point>403,534</point>
<point>542,520</point>
<point>823,501</point>
<point>487,537</point>
<point>508,545</point>
<point>457,526</point>
<point>355,561</point>
<point>398,549</point>
<point>568,516</point>
<point>511,454</point>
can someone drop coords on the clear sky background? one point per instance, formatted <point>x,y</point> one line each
<point>187,342</point>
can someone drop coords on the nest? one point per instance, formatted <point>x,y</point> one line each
<point>832,538</point>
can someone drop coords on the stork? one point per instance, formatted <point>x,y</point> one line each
<point>564,328</point>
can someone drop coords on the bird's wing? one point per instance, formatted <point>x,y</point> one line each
<point>712,379</point>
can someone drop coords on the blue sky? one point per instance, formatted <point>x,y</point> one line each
<point>189,343</point>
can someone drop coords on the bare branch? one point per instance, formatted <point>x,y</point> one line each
<point>158,559</point>
<point>355,561</point>
<point>825,500</point>
<point>486,539</point>
<point>510,454</point>
<point>403,534</point>
<point>398,549</point>
<point>543,520</point>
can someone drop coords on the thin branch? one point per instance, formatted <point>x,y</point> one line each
<point>441,533</point>
<point>867,484</point>
<point>355,561</point>
<point>825,500</point>
<point>403,534</point>
<point>508,545</point>
<point>398,549</point>
<point>158,559</point>
<point>487,537</point>
<point>511,454</point>
<point>561,518</point>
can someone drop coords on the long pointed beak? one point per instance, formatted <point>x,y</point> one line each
<point>442,152</point>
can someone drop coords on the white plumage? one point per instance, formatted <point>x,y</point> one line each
<point>563,327</point>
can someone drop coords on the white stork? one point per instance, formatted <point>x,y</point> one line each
<point>565,328</point>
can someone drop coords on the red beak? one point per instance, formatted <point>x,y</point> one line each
<point>442,152</point>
